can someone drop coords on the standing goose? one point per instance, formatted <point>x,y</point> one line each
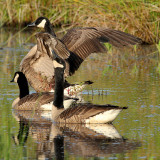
<point>74,47</point>
<point>80,113</point>
<point>34,101</point>
<point>38,67</point>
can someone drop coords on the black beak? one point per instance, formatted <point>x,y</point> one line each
<point>31,24</point>
<point>12,80</point>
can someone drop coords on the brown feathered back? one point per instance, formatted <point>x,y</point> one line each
<point>81,112</point>
<point>34,101</point>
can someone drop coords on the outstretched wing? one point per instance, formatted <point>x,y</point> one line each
<point>38,69</point>
<point>84,41</point>
<point>37,65</point>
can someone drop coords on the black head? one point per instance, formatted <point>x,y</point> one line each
<point>41,22</point>
<point>18,76</point>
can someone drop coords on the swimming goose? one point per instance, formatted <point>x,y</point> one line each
<point>34,101</point>
<point>80,113</point>
<point>74,47</point>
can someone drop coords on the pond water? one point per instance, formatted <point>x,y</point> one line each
<point>124,77</point>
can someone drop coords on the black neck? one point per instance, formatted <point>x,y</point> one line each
<point>59,88</point>
<point>23,88</point>
<point>48,28</point>
<point>59,147</point>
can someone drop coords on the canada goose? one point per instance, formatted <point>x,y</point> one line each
<point>80,113</point>
<point>34,101</point>
<point>78,43</point>
<point>41,62</point>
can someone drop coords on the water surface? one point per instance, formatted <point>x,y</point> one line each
<point>125,77</point>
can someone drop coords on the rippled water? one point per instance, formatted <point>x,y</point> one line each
<point>126,77</point>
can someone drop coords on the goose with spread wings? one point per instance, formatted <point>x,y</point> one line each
<point>76,45</point>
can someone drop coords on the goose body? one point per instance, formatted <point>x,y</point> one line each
<point>39,101</point>
<point>89,113</point>
<point>34,101</point>
<point>76,45</point>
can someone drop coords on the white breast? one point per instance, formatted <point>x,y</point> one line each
<point>15,102</point>
<point>66,103</point>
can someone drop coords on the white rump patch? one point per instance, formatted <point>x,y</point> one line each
<point>42,24</point>
<point>105,117</point>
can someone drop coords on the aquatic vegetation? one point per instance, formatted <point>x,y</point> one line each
<point>140,18</point>
<point>158,46</point>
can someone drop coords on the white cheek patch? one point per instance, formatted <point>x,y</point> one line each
<point>68,103</point>
<point>16,78</point>
<point>42,24</point>
<point>56,64</point>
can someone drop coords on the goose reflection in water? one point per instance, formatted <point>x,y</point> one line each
<point>87,140</point>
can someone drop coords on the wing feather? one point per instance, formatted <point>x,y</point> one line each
<point>78,37</point>
<point>74,47</point>
<point>38,71</point>
<point>37,65</point>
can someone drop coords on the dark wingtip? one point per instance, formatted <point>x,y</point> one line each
<point>125,107</point>
<point>141,42</point>
<point>145,43</point>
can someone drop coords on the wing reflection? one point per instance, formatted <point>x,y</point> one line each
<point>91,140</point>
